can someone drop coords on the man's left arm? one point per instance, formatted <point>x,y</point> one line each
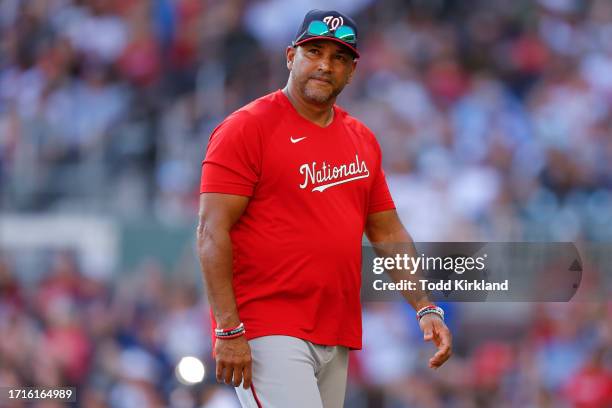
<point>389,238</point>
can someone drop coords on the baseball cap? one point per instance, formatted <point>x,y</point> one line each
<point>328,25</point>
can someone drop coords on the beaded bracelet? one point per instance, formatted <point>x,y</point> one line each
<point>230,333</point>
<point>430,309</point>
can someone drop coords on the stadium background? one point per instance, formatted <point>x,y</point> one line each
<point>495,120</point>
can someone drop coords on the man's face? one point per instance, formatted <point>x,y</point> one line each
<point>320,69</point>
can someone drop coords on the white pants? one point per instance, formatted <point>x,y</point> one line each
<point>291,372</point>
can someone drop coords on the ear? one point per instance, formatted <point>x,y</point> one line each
<point>353,68</point>
<point>290,53</point>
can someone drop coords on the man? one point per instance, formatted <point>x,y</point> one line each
<point>290,183</point>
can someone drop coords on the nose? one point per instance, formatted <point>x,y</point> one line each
<point>325,64</point>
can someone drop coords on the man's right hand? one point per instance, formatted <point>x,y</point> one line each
<point>233,361</point>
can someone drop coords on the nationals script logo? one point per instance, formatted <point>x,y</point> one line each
<point>333,22</point>
<point>326,176</point>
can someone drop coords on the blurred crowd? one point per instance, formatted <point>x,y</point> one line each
<point>119,342</point>
<point>494,116</point>
<point>495,119</point>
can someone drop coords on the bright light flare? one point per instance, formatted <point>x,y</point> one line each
<point>190,370</point>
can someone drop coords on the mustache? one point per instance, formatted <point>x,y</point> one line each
<point>322,78</point>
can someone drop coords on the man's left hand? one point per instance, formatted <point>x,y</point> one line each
<point>434,329</point>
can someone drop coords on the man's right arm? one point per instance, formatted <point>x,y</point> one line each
<point>217,214</point>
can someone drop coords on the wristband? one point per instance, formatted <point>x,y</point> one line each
<point>428,310</point>
<point>232,336</point>
<point>230,333</point>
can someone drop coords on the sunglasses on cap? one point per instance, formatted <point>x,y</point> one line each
<point>319,28</point>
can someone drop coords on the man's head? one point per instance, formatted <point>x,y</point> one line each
<point>322,58</point>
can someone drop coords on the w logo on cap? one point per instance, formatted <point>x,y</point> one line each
<point>333,22</point>
<point>328,24</point>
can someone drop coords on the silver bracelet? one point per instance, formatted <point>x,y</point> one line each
<point>428,310</point>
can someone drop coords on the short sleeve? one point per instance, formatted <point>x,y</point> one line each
<point>380,197</point>
<point>233,158</point>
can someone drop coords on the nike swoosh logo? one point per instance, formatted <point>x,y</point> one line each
<point>299,139</point>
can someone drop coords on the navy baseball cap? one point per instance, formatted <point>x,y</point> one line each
<point>328,25</point>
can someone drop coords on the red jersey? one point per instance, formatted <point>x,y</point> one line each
<point>297,246</point>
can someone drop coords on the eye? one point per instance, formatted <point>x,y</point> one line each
<point>341,57</point>
<point>313,51</point>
